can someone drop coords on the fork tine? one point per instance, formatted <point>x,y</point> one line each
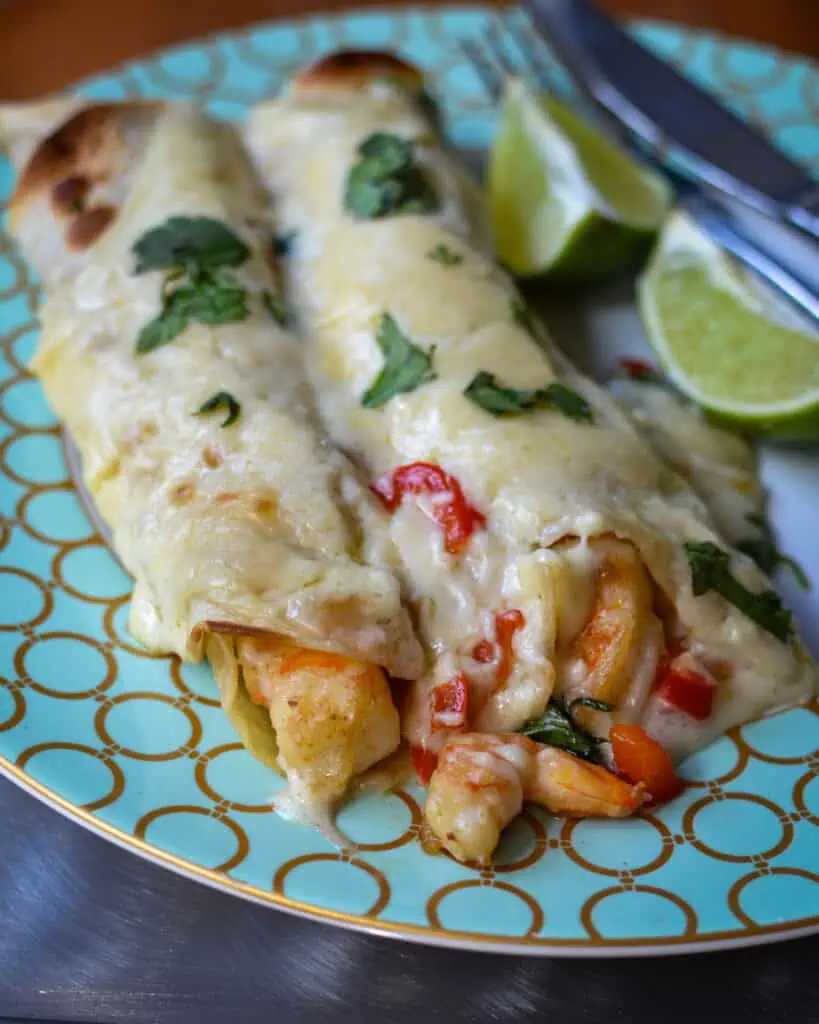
<point>489,75</point>
<point>496,39</point>
<point>530,46</point>
<point>536,58</point>
<point>502,50</point>
<point>535,52</point>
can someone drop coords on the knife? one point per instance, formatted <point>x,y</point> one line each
<point>665,109</point>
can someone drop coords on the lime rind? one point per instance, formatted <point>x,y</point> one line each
<point>565,202</point>
<point>619,188</point>
<point>726,340</point>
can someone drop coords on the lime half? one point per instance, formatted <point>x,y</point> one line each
<point>728,341</point>
<point>565,202</point>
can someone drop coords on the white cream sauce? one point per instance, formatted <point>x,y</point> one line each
<point>720,465</point>
<point>537,477</point>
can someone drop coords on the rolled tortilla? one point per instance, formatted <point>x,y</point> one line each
<point>241,535</point>
<point>720,466</point>
<point>577,527</point>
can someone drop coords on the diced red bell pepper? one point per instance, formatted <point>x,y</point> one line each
<point>449,704</point>
<point>641,759</point>
<point>456,516</point>
<point>506,625</point>
<point>424,762</point>
<point>483,652</point>
<point>640,369</point>
<point>687,690</point>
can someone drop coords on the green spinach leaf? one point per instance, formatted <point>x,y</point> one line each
<point>711,570</point>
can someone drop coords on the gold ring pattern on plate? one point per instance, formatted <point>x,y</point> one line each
<point>222,810</point>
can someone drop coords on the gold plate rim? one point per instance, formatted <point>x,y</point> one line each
<point>424,935</point>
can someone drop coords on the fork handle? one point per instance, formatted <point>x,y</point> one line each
<point>804,212</point>
<point>713,221</point>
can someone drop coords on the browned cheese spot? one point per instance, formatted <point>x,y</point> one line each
<point>81,151</point>
<point>211,457</point>
<point>357,67</point>
<point>183,494</point>
<point>144,432</point>
<point>68,196</point>
<point>265,507</point>
<point>87,227</point>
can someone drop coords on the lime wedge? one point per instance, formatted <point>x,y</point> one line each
<point>566,203</point>
<point>728,341</point>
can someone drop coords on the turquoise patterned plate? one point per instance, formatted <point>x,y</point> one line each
<point>135,746</point>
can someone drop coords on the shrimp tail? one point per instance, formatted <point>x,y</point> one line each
<point>565,784</point>
<point>483,780</point>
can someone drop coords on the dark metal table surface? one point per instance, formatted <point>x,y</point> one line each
<point>90,932</point>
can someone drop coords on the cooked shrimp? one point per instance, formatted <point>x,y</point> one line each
<point>333,717</point>
<point>482,782</point>
<point>621,635</point>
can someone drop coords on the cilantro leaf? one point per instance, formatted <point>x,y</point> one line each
<point>484,391</point>
<point>711,570</point>
<point>569,402</point>
<point>385,181</point>
<point>222,399</point>
<point>444,255</point>
<point>556,728</point>
<point>368,197</point>
<point>162,329</point>
<point>213,299</point>
<point>764,551</point>
<point>275,306</point>
<point>387,154</point>
<point>500,401</point>
<point>183,241</point>
<point>207,298</point>
<point>193,251</point>
<point>419,197</point>
<point>406,366</point>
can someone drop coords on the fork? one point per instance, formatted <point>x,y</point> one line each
<point>512,47</point>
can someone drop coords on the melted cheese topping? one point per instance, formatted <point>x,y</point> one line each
<point>718,464</point>
<point>537,477</point>
<point>244,527</point>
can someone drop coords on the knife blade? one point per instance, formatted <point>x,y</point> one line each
<point>665,109</point>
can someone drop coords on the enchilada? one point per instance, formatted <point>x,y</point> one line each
<point>565,578</point>
<point>165,350</point>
